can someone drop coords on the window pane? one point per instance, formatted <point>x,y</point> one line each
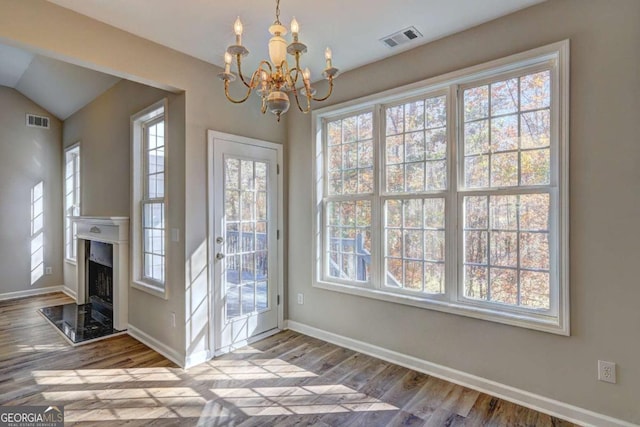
<point>476,103</point>
<point>504,133</point>
<point>536,167</point>
<point>415,245</point>
<point>395,120</point>
<point>535,91</point>
<point>520,121</point>
<point>504,97</point>
<point>414,116</point>
<point>513,231</point>
<point>408,142</point>
<point>349,240</point>
<point>476,171</point>
<point>349,155</point>
<point>534,288</point>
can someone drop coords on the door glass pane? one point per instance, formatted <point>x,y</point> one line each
<point>246,262</point>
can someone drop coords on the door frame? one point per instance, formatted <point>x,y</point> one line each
<point>212,136</point>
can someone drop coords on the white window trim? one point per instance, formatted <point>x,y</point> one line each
<point>138,121</point>
<point>67,150</point>
<point>557,323</point>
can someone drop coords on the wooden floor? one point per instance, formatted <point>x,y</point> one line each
<point>288,379</point>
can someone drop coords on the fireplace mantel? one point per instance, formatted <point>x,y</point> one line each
<point>115,231</point>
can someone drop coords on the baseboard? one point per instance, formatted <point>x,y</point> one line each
<point>156,345</point>
<point>70,292</point>
<point>31,292</point>
<point>537,402</point>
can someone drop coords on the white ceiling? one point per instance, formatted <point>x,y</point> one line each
<point>203,28</point>
<point>58,87</point>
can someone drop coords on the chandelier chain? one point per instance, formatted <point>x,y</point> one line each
<point>278,12</point>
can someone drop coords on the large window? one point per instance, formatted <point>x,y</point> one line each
<point>452,194</point>
<point>149,191</point>
<point>71,199</point>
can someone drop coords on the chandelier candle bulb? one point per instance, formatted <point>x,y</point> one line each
<point>227,62</point>
<point>327,56</point>
<point>237,28</point>
<point>295,29</point>
<point>306,75</point>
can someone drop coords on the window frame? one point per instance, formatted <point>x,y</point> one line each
<point>73,150</point>
<point>554,57</point>
<point>139,127</point>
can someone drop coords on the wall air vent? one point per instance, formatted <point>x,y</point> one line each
<point>34,121</point>
<point>401,37</point>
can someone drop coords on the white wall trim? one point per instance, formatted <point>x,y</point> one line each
<point>31,292</point>
<point>156,345</point>
<point>536,402</point>
<point>70,292</point>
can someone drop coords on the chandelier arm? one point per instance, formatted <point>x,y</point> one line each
<point>238,61</point>
<point>328,94</point>
<point>304,111</point>
<point>268,64</point>
<point>235,101</point>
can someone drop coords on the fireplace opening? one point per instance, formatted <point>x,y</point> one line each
<point>99,280</point>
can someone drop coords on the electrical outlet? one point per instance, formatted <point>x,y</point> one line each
<point>300,298</point>
<point>172,319</point>
<point>48,271</point>
<point>607,371</point>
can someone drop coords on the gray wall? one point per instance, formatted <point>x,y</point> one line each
<point>604,211</point>
<point>103,128</point>
<point>28,156</point>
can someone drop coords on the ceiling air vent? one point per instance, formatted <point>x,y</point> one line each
<point>401,37</point>
<point>35,121</point>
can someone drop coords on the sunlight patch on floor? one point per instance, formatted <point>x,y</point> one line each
<point>248,370</point>
<point>103,376</point>
<point>321,399</point>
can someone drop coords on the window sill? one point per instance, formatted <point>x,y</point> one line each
<point>149,288</point>
<point>536,322</point>
<point>71,262</point>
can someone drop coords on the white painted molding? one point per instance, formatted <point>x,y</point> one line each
<point>524,398</point>
<point>69,292</point>
<point>31,292</point>
<point>156,345</point>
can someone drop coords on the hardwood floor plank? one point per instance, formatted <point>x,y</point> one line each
<point>287,379</point>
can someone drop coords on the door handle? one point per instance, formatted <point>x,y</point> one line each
<point>219,255</point>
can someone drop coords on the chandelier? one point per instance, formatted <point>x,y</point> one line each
<point>274,79</point>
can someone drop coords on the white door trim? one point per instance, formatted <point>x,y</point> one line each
<point>212,136</point>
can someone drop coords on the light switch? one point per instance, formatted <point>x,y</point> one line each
<point>175,234</point>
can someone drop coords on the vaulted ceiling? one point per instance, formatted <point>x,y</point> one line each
<point>58,87</point>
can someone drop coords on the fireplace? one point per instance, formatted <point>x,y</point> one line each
<point>103,264</point>
<point>102,303</point>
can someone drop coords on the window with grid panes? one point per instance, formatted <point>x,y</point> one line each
<point>153,202</point>
<point>453,197</point>
<point>71,200</point>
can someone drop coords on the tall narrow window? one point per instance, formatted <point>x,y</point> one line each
<point>153,201</point>
<point>149,207</point>
<point>71,199</point>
